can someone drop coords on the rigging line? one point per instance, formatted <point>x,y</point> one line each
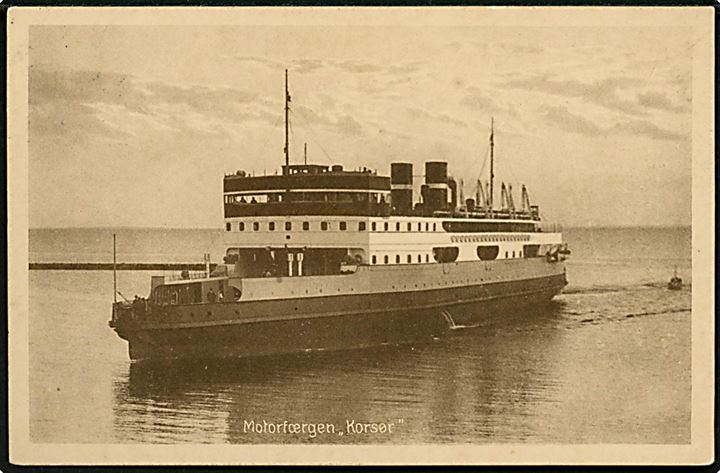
<point>316,141</point>
<point>482,168</point>
<point>508,170</point>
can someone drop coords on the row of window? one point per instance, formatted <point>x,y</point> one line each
<point>308,196</point>
<point>289,226</point>
<point>478,238</point>
<point>361,226</point>
<point>450,253</point>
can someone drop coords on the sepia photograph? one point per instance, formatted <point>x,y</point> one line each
<point>298,235</point>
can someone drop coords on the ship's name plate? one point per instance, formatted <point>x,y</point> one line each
<point>487,238</point>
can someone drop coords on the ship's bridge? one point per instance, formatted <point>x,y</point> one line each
<point>308,189</point>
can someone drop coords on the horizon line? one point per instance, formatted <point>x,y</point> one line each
<point>222,229</point>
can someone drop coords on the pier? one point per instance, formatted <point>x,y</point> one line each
<point>120,266</point>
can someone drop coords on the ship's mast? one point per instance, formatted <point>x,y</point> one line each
<point>287,123</point>
<point>114,270</point>
<point>492,160</point>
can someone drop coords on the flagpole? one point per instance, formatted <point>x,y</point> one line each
<point>114,270</point>
<point>287,111</point>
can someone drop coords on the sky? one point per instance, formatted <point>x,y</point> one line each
<point>136,125</point>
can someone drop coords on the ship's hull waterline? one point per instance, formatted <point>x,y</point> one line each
<point>347,321</point>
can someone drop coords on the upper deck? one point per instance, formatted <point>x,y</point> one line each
<point>308,189</point>
<point>317,190</point>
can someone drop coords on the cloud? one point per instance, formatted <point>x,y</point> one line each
<point>602,92</point>
<point>579,124</point>
<point>660,101</point>
<point>571,122</point>
<point>649,129</point>
<point>522,48</point>
<point>478,101</point>
<point>73,103</point>
<point>347,124</point>
<point>344,124</point>
<point>443,118</point>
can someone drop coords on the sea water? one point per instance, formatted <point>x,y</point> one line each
<point>607,362</point>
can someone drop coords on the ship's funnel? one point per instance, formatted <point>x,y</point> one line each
<point>401,187</point>
<point>435,197</point>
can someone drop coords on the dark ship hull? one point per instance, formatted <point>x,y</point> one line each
<point>337,322</point>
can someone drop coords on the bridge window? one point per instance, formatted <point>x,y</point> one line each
<point>256,226</point>
<point>288,226</point>
<point>361,226</point>
<point>343,226</point>
<point>445,254</point>
<point>323,226</point>
<point>241,226</point>
<point>488,253</point>
<point>374,259</point>
<point>386,259</point>
<point>306,226</point>
<point>271,226</point>
<point>228,226</point>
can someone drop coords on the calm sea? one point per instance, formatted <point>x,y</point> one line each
<point>608,362</point>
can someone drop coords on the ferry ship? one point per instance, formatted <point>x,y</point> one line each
<point>323,258</point>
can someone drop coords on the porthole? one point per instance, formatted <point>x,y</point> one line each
<point>271,226</point>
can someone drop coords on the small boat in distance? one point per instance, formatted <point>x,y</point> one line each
<point>675,283</point>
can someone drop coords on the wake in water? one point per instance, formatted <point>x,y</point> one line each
<point>600,304</point>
